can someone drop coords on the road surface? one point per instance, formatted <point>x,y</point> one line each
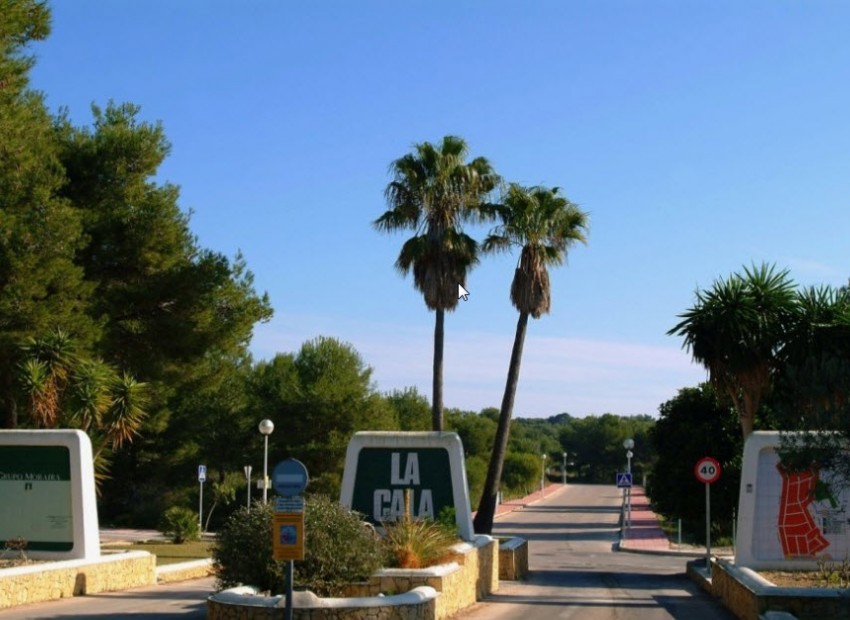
<point>186,600</point>
<point>576,575</point>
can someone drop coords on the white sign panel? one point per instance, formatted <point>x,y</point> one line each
<point>788,519</point>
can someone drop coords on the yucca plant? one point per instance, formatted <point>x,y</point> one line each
<point>417,544</point>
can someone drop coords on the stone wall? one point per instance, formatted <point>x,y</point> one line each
<point>39,582</point>
<point>245,604</point>
<point>513,559</point>
<point>747,595</point>
<point>473,574</point>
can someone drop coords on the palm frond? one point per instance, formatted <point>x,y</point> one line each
<point>433,192</point>
<point>544,224</point>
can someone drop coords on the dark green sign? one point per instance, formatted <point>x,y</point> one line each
<point>35,497</point>
<point>386,475</point>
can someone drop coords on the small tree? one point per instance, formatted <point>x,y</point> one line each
<point>180,524</point>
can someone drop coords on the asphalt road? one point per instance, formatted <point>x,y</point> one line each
<point>576,575</point>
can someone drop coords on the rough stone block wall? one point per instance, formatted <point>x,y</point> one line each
<point>257,609</point>
<point>47,582</point>
<point>422,611</point>
<point>737,597</point>
<point>488,568</point>
<point>513,560</point>
<point>747,599</point>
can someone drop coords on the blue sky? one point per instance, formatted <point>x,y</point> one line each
<point>700,137</point>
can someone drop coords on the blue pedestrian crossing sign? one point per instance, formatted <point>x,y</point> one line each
<point>624,480</point>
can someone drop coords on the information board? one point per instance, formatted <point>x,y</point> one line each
<point>35,497</point>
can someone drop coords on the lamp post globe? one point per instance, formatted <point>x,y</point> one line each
<point>266,427</point>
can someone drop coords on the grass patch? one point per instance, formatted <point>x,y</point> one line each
<point>169,553</point>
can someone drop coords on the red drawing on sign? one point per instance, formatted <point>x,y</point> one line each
<point>798,533</point>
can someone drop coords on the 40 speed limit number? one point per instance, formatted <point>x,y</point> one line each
<point>707,470</point>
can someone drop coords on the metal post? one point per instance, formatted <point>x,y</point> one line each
<point>289,571</point>
<point>201,508</point>
<point>266,471</point>
<point>543,476</point>
<point>734,532</point>
<point>680,532</point>
<point>707,528</point>
<point>629,491</point>
<point>564,470</point>
<point>247,469</point>
<point>266,428</point>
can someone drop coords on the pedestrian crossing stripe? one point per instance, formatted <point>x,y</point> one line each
<point>624,480</point>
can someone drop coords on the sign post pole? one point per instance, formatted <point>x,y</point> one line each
<point>707,470</point>
<point>289,573</point>
<point>202,476</point>
<point>289,480</point>
<point>707,526</point>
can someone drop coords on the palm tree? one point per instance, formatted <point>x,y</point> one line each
<point>544,224</point>
<point>735,331</point>
<point>65,389</point>
<point>812,381</point>
<point>434,191</point>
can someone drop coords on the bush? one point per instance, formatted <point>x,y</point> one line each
<point>179,524</point>
<point>339,549</point>
<point>242,552</point>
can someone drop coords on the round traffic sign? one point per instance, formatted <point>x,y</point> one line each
<point>289,477</point>
<point>707,470</point>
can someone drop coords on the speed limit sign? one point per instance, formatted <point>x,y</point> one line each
<point>707,470</point>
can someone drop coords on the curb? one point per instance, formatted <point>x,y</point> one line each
<point>183,571</point>
<point>618,546</point>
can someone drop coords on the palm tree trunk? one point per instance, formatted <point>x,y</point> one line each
<point>437,401</point>
<point>483,522</point>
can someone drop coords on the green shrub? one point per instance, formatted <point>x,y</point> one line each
<point>242,553</point>
<point>339,549</point>
<point>179,524</point>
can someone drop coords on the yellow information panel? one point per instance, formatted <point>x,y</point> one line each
<point>288,535</point>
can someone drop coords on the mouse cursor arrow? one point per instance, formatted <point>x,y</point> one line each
<point>462,292</point>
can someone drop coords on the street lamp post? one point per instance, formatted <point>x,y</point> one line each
<point>247,469</point>
<point>564,470</point>
<point>266,427</point>
<point>628,444</point>
<point>543,477</point>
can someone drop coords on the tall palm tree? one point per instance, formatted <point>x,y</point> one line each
<point>434,191</point>
<point>735,330</point>
<point>544,224</point>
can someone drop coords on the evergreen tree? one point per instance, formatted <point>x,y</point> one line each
<point>41,288</point>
